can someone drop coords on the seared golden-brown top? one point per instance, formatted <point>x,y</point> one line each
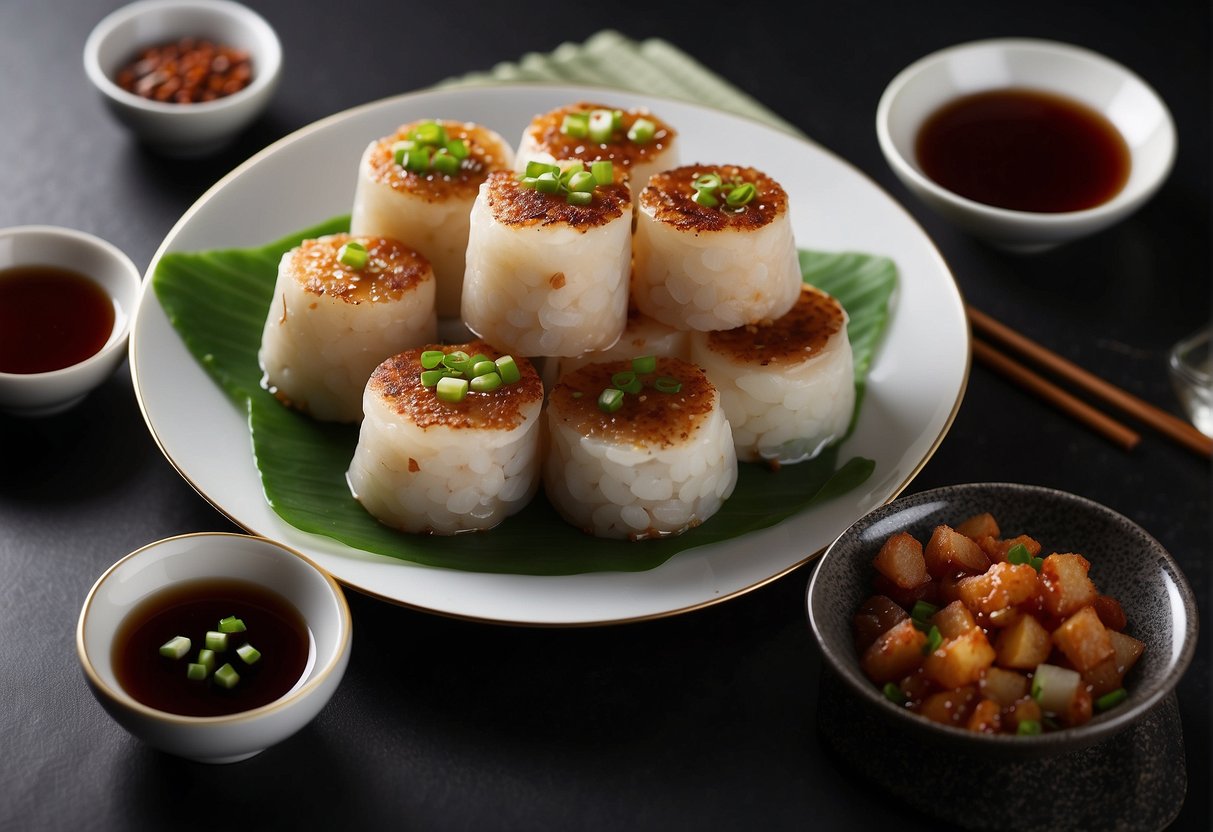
<point>513,204</point>
<point>544,130</point>
<point>398,381</point>
<point>485,153</point>
<point>797,336</point>
<point>392,269</point>
<point>649,417</point>
<point>670,198</point>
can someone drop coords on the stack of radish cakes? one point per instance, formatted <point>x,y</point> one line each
<point>632,328</point>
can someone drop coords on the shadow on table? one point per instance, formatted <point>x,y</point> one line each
<point>183,180</point>
<point>154,790</point>
<point>81,453</point>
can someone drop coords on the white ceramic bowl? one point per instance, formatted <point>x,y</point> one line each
<point>1071,71</point>
<point>42,394</point>
<point>183,129</point>
<point>165,563</point>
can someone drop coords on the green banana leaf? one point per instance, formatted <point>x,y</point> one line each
<point>217,301</point>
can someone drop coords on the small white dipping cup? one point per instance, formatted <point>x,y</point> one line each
<point>1105,86</point>
<point>192,557</point>
<point>44,394</point>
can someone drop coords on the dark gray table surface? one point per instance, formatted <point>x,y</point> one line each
<point>705,720</point>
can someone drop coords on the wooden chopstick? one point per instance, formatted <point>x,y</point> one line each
<point>1170,426</point>
<point>1100,422</point>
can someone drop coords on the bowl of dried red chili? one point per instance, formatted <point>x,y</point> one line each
<point>186,76</point>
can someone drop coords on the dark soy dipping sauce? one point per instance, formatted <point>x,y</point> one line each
<point>1024,150</point>
<point>50,318</point>
<point>273,625</point>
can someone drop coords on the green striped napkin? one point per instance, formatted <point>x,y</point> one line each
<point>613,60</point>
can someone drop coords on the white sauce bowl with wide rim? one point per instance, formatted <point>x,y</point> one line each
<point>1087,77</point>
<point>183,130</point>
<point>176,560</point>
<point>53,391</point>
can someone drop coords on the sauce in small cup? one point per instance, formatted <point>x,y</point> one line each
<point>1047,76</point>
<point>225,578</point>
<point>66,302</point>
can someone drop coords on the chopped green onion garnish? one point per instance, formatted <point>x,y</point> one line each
<point>627,381</point>
<point>353,254</point>
<point>431,359</point>
<point>710,188</point>
<point>175,647</point>
<point>1036,563</point>
<point>576,125</point>
<point>1036,689</point>
<point>486,383</point>
<point>642,131</point>
<point>600,126</point>
<point>574,182</point>
<point>922,611</point>
<point>1111,700</point>
<point>206,658</point>
<point>582,181</point>
<point>666,384</point>
<point>430,132</point>
<point>616,119</point>
<point>431,377</point>
<point>417,160</point>
<point>1018,554</point>
<point>603,172</point>
<point>480,368</point>
<point>934,639</point>
<point>741,195</point>
<point>507,368</point>
<point>453,374</point>
<point>536,169</point>
<point>427,146</point>
<point>644,364</point>
<point>456,360</point>
<point>249,653</point>
<point>231,624</point>
<point>195,672</point>
<point>227,676</point>
<point>892,692</point>
<point>451,389</point>
<point>399,149</point>
<point>216,641</point>
<point>445,163</point>
<point>1028,728</point>
<point>610,400</point>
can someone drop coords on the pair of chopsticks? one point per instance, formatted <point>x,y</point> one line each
<point>1170,426</point>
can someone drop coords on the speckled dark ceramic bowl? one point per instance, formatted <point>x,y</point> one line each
<point>1126,563</point>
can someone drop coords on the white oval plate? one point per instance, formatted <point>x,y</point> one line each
<point>914,389</point>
